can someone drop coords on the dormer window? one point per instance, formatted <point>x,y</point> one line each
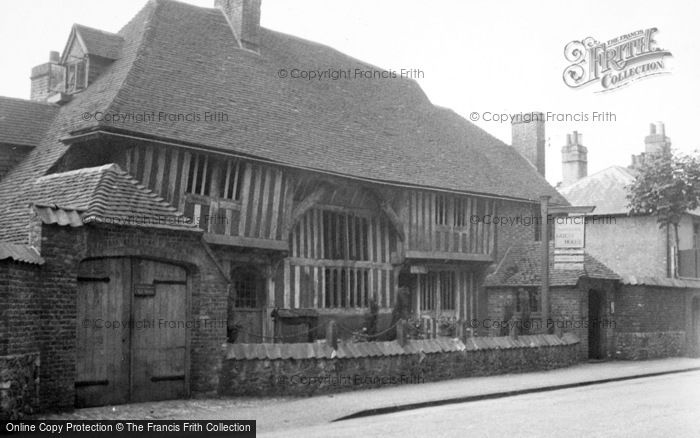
<point>76,75</point>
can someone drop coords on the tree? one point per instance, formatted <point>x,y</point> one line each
<point>667,186</point>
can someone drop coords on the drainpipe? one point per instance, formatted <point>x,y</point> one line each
<point>544,237</point>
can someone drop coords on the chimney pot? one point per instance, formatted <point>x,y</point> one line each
<point>656,141</point>
<point>54,57</point>
<point>574,159</point>
<point>661,128</point>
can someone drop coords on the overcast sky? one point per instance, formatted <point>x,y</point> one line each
<point>498,57</point>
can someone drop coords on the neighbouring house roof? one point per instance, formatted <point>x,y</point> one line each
<point>98,42</point>
<point>606,190</point>
<point>522,266</point>
<point>20,253</point>
<point>24,122</point>
<point>180,59</point>
<point>661,282</point>
<point>390,348</point>
<point>104,194</point>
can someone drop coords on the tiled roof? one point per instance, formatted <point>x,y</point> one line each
<point>691,283</point>
<point>100,43</point>
<point>606,190</point>
<point>522,266</point>
<point>347,350</point>
<point>181,59</point>
<point>20,253</point>
<point>104,194</point>
<point>24,122</point>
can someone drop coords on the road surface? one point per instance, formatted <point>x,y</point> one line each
<point>664,406</point>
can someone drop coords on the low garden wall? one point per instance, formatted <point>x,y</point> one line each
<point>19,385</point>
<point>316,368</point>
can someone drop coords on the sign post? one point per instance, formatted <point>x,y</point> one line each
<point>569,242</point>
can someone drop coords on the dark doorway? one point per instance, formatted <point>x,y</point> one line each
<point>595,304</point>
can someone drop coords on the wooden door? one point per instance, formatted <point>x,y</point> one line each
<point>247,302</point>
<point>102,332</point>
<point>159,333</point>
<point>131,331</point>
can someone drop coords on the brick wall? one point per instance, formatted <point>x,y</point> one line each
<point>650,309</point>
<point>569,306</point>
<point>19,307</point>
<point>650,322</point>
<point>38,313</point>
<point>62,250</point>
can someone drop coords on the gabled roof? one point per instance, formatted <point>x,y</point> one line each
<point>24,122</point>
<point>522,266</point>
<point>605,189</point>
<point>181,59</point>
<point>98,42</point>
<point>104,194</point>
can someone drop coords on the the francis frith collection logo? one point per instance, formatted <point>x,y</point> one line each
<point>616,62</point>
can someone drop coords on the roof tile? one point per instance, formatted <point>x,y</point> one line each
<point>20,253</point>
<point>103,194</point>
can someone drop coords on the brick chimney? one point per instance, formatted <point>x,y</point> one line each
<point>244,18</point>
<point>46,78</point>
<point>574,159</point>
<point>656,141</point>
<point>528,138</point>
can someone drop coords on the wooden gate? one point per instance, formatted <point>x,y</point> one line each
<point>131,331</point>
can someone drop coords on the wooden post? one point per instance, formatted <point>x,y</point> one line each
<point>544,237</point>
<point>332,335</point>
<point>401,332</point>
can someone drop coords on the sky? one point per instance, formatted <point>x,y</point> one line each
<point>482,57</point>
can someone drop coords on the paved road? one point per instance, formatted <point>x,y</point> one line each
<point>664,406</point>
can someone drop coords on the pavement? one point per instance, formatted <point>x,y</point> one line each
<point>291,413</point>
<point>662,406</point>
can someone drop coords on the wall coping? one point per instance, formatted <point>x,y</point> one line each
<point>349,350</point>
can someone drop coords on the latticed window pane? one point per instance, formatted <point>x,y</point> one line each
<point>246,287</point>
